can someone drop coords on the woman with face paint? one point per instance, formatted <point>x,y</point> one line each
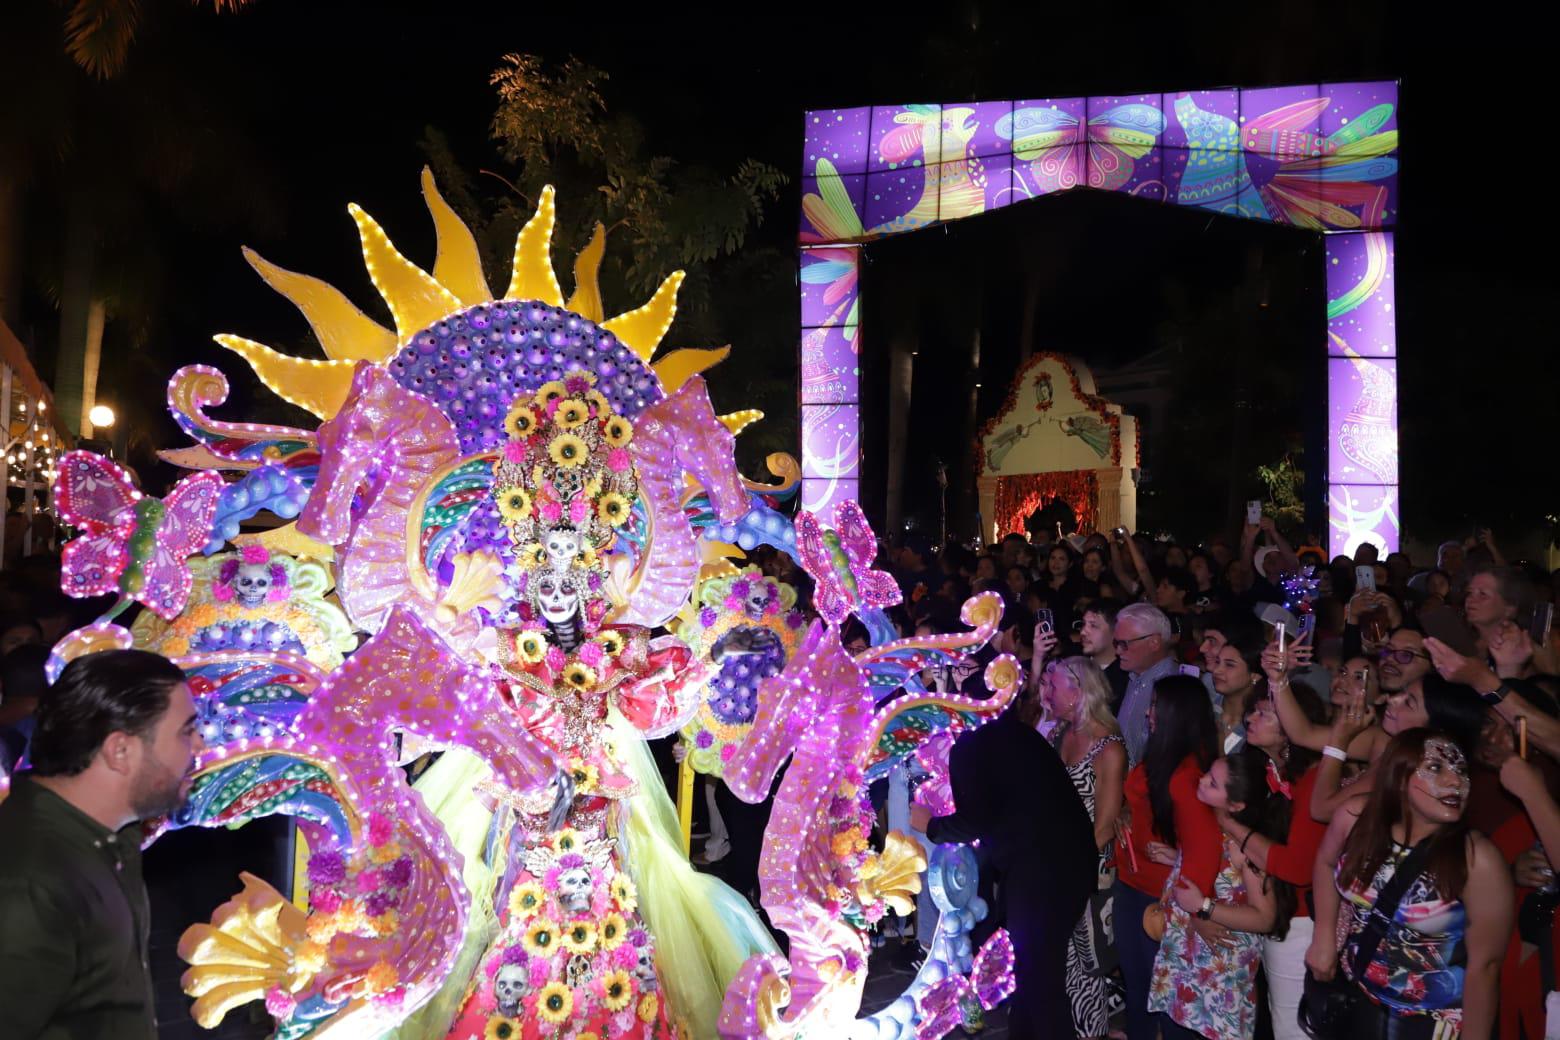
<point>1435,971</point>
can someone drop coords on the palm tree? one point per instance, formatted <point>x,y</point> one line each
<point>96,148</point>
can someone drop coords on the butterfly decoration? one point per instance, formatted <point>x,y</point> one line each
<point>992,975</point>
<point>131,544</point>
<point>840,562</point>
<point>1064,152</point>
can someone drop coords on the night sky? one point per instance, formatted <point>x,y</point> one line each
<point>331,99</point>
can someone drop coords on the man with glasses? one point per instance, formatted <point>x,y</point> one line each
<point>1404,662</point>
<point>1145,646</point>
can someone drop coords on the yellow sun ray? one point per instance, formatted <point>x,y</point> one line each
<point>346,333</point>
<point>320,387</point>
<point>457,264</point>
<point>642,329</point>
<point>415,299</point>
<point>532,277</point>
<point>679,366</point>
<point>736,422</point>
<point>586,301</point>
<point>289,541</point>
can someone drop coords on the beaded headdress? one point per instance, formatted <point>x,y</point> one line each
<point>564,485</point>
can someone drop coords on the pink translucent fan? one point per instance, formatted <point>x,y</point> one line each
<point>131,543</point>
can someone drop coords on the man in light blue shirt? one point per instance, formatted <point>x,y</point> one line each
<point>1145,646</point>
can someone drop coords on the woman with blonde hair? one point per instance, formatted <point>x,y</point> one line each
<point>1088,739</point>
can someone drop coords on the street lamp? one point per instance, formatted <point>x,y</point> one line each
<point>101,415</point>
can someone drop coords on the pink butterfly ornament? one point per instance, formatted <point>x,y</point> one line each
<point>840,563</point>
<point>131,544</point>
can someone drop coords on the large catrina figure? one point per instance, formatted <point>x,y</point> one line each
<point>573,955</point>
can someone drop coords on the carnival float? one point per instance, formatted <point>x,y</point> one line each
<point>517,540</point>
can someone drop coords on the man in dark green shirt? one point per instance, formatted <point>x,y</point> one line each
<point>115,744</point>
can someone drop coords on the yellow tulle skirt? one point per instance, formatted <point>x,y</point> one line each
<point>703,930</point>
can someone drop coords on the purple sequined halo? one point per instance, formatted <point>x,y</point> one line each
<point>474,364</point>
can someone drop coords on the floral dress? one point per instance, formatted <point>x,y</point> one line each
<point>1419,964</point>
<point>573,958</point>
<point>1206,988</point>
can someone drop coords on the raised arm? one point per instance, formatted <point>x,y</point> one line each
<point>1145,576</point>
<point>1543,729</point>
<point>1285,553</point>
<point>1523,779</point>
<point>1118,566</point>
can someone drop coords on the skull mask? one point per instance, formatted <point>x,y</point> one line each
<point>509,986</point>
<point>757,599</point>
<point>563,548</point>
<point>558,598</point>
<point>644,967</point>
<point>574,890</point>
<point>252,584</point>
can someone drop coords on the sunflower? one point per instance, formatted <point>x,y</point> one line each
<point>649,1007</point>
<point>624,895</point>
<point>611,641</point>
<point>526,900</point>
<point>530,556</point>
<point>568,450</point>
<point>579,676</point>
<point>617,990</point>
<point>595,398</point>
<point>541,938</point>
<point>531,647</point>
<point>588,557</point>
<point>566,840</point>
<point>571,413</point>
<point>612,930</point>
<point>613,509</point>
<point>586,776</point>
<point>520,423</point>
<point>555,1002</point>
<point>501,1028</point>
<point>547,393</point>
<point>579,937</point>
<point>514,505</point>
<point>618,431</point>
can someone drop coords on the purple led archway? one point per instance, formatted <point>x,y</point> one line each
<point>1322,157</point>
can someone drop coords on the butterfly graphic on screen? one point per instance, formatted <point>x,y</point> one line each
<point>131,544</point>
<point>840,562</point>
<point>1062,151</point>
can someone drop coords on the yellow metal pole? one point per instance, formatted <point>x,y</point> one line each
<point>685,776</point>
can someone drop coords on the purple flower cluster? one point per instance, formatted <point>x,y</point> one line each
<point>474,364</point>
<point>733,693</point>
<point>399,873</point>
<point>327,867</point>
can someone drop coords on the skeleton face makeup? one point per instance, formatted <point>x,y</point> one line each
<point>557,597</point>
<point>1441,783</point>
<point>562,547</point>
<point>252,584</point>
<point>509,986</point>
<point>574,890</point>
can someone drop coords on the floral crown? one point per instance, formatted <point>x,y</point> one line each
<point>566,468</point>
<point>222,588</point>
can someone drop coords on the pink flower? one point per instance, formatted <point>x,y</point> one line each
<point>368,881</point>
<point>727,752</point>
<point>591,654</point>
<point>619,461</point>
<point>551,511</point>
<point>514,451</point>
<point>576,384</point>
<point>380,829</point>
<point>579,509</point>
<point>732,603</point>
<point>540,970</point>
<point>256,554</point>
<point>625,957</point>
<point>325,900</point>
<point>554,658</point>
<point>391,998</point>
<point>279,1004</point>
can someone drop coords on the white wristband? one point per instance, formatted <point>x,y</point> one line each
<point>1335,752</point>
